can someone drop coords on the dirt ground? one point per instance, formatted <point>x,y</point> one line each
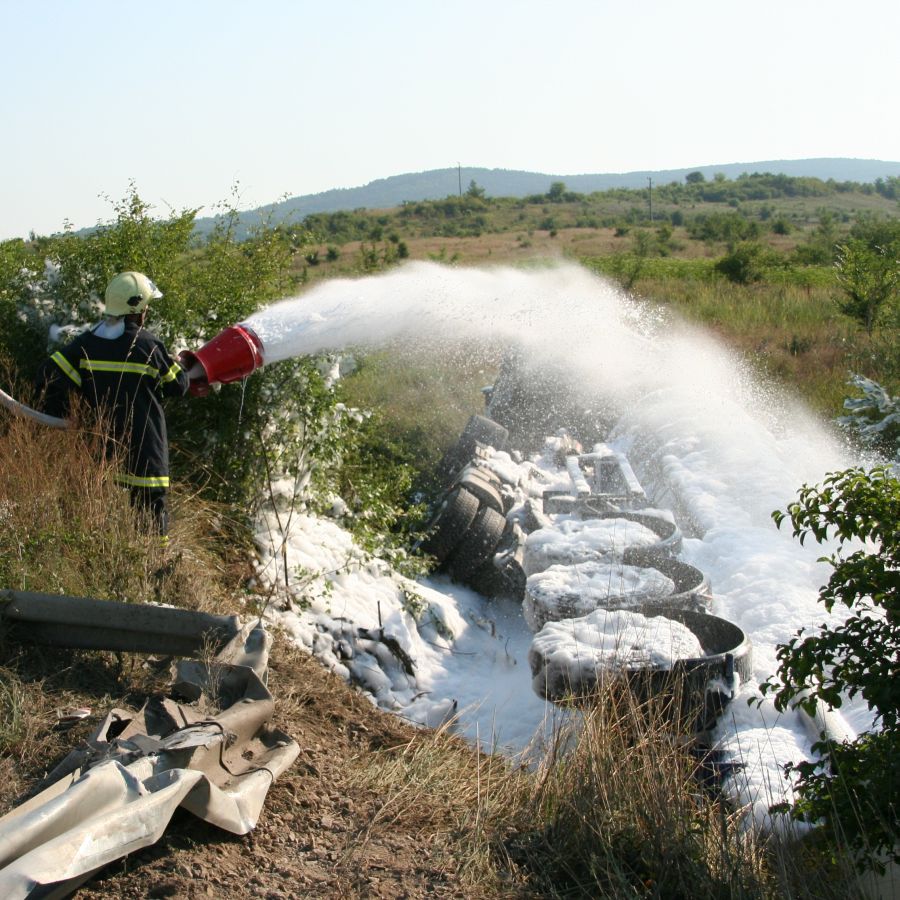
<point>320,833</point>
<point>325,830</point>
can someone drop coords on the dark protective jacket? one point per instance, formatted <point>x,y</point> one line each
<point>123,380</point>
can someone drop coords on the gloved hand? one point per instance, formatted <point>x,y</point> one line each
<point>200,387</point>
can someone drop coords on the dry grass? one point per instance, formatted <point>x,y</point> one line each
<point>67,528</point>
<point>465,801</point>
<point>623,805</point>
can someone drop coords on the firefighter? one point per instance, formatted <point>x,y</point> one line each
<point>122,371</point>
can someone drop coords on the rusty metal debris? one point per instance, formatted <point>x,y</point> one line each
<point>117,792</point>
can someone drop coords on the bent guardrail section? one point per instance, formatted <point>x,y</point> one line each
<point>117,792</point>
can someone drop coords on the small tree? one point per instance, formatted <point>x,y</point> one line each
<point>475,191</point>
<point>557,192</point>
<point>869,277</point>
<point>744,263</point>
<point>853,786</point>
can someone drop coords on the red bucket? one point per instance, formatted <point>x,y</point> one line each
<point>231,355</point>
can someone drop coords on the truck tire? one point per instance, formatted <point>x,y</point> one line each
<point>450,523</point>
<point>479,430</point>
<point>485,431</point>
<point>484,486</point>
<point>478,546</point>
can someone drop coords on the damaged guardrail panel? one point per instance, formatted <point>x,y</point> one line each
<point>117,792</point>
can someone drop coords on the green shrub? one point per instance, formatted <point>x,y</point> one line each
<point>729,227</point>
<point>852,787</point>
<point>781,226</point>
<point>207,284</point>
<point>744,264</point>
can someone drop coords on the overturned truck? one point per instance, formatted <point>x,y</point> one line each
<point>596,567</point>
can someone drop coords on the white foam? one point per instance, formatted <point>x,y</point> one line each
<point>610,639</point>
<point>573,541</point>
<point>567,592</point>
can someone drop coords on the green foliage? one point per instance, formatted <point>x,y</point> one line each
<point>852,786</point>
<point>820,246</point>
<point>376,257</point>
<point>19,340</point>
<point>206,286</point>
<point>475,190</point>
<point>869,276</point>
<point>729,227</point>
<point>373,476</point>
<point>874,418</point>
<point>745,263</point>
<point>630,266</point>
<point>284,421</point>
<point>618,266</point>
<point>888,187</point>
<point>781,226</point>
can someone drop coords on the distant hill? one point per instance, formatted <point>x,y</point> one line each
<point>436,184</point>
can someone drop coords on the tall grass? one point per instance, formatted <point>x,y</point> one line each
<point>67,528</point>
<point>622,805</point>
<point>793,334</point>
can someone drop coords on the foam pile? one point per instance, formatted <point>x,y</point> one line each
<point>574,541</point>
<point>572,654</point>
<point>568,592</point>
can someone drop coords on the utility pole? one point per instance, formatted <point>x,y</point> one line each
<point>459,174</point>
<point>650,197</point>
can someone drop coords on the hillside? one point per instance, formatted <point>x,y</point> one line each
<point>438,183</point>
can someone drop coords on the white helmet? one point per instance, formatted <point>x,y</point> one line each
<point>130,292</point>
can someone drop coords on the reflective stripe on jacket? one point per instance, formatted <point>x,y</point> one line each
<point>123,378</point>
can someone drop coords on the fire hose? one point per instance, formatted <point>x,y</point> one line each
<point>20,409</point>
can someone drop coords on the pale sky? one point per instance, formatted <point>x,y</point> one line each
<point>189,97</point>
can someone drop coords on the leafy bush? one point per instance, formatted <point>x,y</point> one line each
<point>745,263</point>
<point>206,285</point>
<point>820,247</point>
<point>852,786</point>
<point>781,226</point>
<point>874,418</point>
<point>728,227</point>
<point>284,421</point>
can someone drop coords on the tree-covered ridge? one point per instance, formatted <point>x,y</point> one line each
<point>437,184</point>
<point>716,210</point>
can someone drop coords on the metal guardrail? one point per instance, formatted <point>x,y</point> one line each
<point>87,624</point>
